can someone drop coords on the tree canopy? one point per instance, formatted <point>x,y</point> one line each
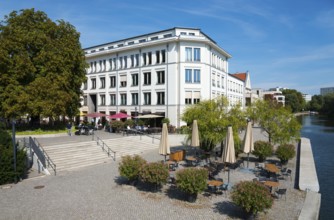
<point>279,123</point>
<point>213,118</point>
<point>42,66</point>
<point>294,100</point>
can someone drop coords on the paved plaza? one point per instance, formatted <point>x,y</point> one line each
<point>97,192</point>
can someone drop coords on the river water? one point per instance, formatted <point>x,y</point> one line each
<point>320,131</point>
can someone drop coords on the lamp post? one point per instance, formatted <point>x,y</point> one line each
<point>14,147</point>
<point>136,114</point>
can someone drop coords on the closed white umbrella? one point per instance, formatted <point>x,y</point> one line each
<point>228,155</point>
<point>195,135</point>
<point>164,147</point>
<point>248,142</point>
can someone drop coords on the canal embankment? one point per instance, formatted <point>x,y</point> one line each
<point>308,181</point>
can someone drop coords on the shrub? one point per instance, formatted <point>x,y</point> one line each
<point>192,180</point>
<point>253,197</point>
<point>129,167</point>
<point>154,173</point>
<point>262,149</point>
<point>116,125</point>
<point>129,122</point>
<point>285,152</point>
<point>7,174</point>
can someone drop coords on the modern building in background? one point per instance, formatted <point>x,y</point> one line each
<point>273,93</point>
<point>307,97</point>
<point>327,90</point>
<point>159,73</point>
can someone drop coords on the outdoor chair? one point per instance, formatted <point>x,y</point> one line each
<point>212,190</point>
<point>223,188</point>
<point>280,193</point>
<point>288,173</point>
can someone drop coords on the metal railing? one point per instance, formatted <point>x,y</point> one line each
<point>104,147</point>
<point>43,157</point>
<point>140,133</point>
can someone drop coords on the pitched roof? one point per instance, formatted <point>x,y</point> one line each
<point>241,76</point>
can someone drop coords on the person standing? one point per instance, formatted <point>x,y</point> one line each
<point>69,128</point>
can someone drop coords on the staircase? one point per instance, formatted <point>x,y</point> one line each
<point>77,154</point>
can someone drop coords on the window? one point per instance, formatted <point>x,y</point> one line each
<point>112,99</point>
<point>100,65</point>
<point>157,54</point>
<point>85,85</point>
<point>110,47</point>
<point>103,82</point>
<point>197,76</point>
<point>183,33</point>
<point>218,82</point>
<point>191,34</point>
<point>123,81</point>
<point>196,97</point>
<point>144,59</point>
<point>189,52</point>
<point>102,100</point>
<point>154,38</point>
<point>137,60</point>
<point>85,100</point>
<point>114,63</point>
<point>110,64</point>
<point>131,43</point>
<point>125,62</point>
<point>167,35</point>
<point>132,60</point>
<point>187,100</point>
<point>93,83</point>
<point>120,45</point>
<point>149,54</point>
<point>134,79</point>
<point>160,98</point>
<point>123,99</point>
<point>142,40</point>
<point>213,82</point>
<point>134,98</point>
<point>163,56</point>
<point>120,62</point>
<point>112,81</point>
<point>147,98</point>
<point>161,77</point>
<point>197,54</point>
<point>147,78</point>
<point>188,76</point>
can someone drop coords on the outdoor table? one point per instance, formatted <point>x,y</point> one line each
<point>191,158</point>
<point>272,168</point>
<point>271,184</point>
<point>215,183</point>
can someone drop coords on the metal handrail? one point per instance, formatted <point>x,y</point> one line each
<point>104,146</point>
<point>42,155</point>
<point>135,131</point>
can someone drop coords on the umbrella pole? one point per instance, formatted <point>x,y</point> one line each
<point>228,177</point>
<point>247,160</point>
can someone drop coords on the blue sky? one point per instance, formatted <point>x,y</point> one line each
<point>286,43</point>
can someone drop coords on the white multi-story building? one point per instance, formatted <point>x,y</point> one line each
<point>159,73</point>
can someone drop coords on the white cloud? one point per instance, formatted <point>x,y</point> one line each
<point>325,19</point>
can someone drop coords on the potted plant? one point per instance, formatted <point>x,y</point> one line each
<point>129,167</point>
<point>154,173</point>
<point>253,197</point>
<point>192,181</point>
<point>262,149</point>
<point>285,152</point>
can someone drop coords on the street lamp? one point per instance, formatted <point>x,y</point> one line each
<point>136,114</point>
<point>14,147</point>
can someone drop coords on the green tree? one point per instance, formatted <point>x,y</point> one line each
<point>211,116</point>
<point>294,100</point>
<point>42,66</point>
<point>316,103</point>
<point>328,105</point>
<point>279,123</point>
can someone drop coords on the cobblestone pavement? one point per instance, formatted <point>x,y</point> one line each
<point>97,192</point>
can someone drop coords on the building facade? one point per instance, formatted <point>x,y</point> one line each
<point>159,73</point>
<point>327,90</point>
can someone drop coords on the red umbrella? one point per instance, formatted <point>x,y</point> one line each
<point>95,115</point>
<point>119,115</point>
